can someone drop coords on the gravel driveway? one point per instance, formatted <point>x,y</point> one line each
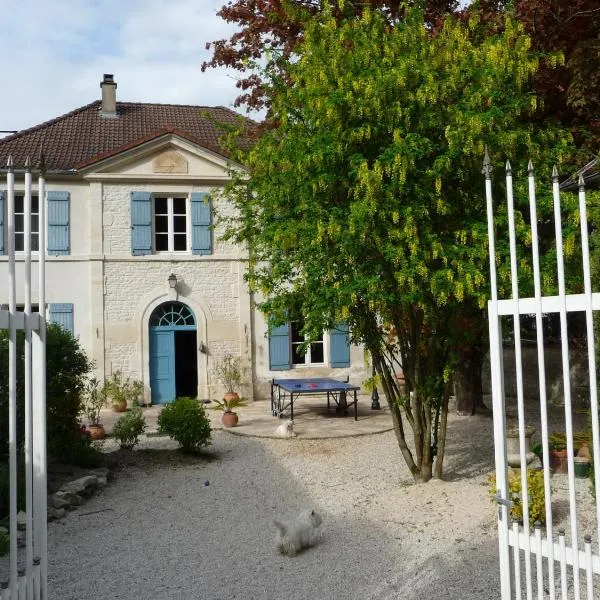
<point>158,531</point>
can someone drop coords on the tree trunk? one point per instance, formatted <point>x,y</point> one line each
<point>468,382</point>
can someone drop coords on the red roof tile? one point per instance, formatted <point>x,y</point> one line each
<point>84,136</point>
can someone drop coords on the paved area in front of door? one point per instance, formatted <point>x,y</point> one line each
<point>312,419</point>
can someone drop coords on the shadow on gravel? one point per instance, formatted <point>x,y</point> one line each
<point>172,526</point>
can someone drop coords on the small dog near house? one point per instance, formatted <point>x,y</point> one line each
<point>285,430</point>
<point>299,533</point>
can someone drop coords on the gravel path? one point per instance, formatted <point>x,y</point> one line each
<point>158,532</point>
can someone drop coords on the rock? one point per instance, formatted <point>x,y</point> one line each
<point>83,485</point>
<point>101,472</point>
<point>102,482</point>
<point>56,513</point>
<point>60,500</point>
<point>70,497</point>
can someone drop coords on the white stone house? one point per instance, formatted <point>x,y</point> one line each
<point>135,268</point>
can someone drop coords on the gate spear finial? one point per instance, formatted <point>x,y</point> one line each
<point>487,165</point>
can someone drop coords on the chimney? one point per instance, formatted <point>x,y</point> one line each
<point>109,96</point>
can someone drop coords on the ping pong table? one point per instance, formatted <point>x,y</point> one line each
<point>285,391</point>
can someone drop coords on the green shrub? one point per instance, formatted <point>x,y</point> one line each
<point>535,489</point>
<point>67,367</point>
<point>129,427</point>
<point>185,421</point>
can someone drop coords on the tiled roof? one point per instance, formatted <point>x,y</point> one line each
<point>84,136</point>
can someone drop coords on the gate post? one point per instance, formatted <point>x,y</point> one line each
<point>497,377</point>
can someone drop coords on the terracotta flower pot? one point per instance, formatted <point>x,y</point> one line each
<point>558,461</point>
<point>231,396</point>
<point>96,432</point>
<point>229,419</point>
<point>119,406</point>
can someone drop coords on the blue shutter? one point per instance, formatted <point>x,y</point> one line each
<point>1,222</point>
<point>141,223</point>
<point>58,223</point>
<point>339,348</point>
<point>201,221</point>
<point>62,314</point>
<point>279,348</point>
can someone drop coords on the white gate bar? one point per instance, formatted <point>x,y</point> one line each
<point>12,380</point>
<point>588,563</point>
<point>589,321</point>
<point>566,378</point>
<point>497,376</point>
<point>517,538</point>
<point>542,379</point>
<point>538,561</point>
<point>562,550</point>
<point>28,392</point>
<point>519,373</point>
<point>517,561</point>
<point>39,447</point>
<point>550,304</point>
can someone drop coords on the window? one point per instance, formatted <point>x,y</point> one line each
<point>315,353</point>
<point>34,308</point>
<point>331,349</point>
<point>20,223</point>
<point>170,224</point>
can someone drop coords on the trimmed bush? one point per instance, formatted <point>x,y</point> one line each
<point>129,427</point>
<point>185,421</point>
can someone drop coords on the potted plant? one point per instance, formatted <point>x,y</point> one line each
<point>558,453</point>
<point>94,399</point>
<point>229,417</point>
<point>122,392</point>
<point>228,371</point>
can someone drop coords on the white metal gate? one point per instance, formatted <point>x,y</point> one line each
<point>27,566</point>
<point>538,563</point>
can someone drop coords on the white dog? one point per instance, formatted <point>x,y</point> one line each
<point>285,430</point>
<point>300,533</point>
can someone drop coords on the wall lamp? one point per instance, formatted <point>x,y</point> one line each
<point>172,281</point>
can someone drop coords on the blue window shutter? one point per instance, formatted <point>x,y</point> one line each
<point>339,348</point>
<point>62,314</point>
<point>279,348</point>
<point>1,222</point>
<point>201,221</point>
<point>58,223</point>
<point>141,223</point>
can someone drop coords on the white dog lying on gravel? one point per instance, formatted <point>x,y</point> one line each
<point>300,533</point>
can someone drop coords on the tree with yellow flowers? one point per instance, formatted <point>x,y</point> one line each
<point>364,205</point>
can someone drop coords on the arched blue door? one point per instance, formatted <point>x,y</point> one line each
<point>173,358</point>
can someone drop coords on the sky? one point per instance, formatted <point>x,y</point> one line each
<point>55,52</point>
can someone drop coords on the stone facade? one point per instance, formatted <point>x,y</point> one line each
<point>114,292</point>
